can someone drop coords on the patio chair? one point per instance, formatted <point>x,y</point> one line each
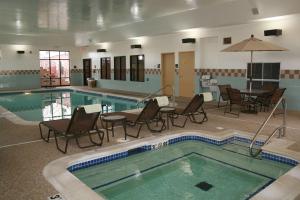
<point>272,99</point>
<point>193,109</point>
<point>148,115</point>
<point>83,122</point>
<point>223,94</point>
<point>262,99</point>
<point>235,98</point>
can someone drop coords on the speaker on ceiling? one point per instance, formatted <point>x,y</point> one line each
<point>101,50</point>
<point>189,40</point>
<point>136,46</point>
<point>273,32</point>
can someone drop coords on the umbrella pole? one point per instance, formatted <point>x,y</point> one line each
<point>251,68</point>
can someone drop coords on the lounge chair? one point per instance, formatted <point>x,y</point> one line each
<point>193,109</point>
<point>148,115</point>
<point>223,94</point>
<point>82,122</point>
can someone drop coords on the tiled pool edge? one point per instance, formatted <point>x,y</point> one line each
<point>57,174</point>
<point>150,147</point>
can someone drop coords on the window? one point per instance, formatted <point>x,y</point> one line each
<point>263,74</point>
<point>54,68</point>
<point>137,68</point>
<point>105,68</point>
<point>120,68</point>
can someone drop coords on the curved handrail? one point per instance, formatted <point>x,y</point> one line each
<point>155,93</point>
<point>280,128</point>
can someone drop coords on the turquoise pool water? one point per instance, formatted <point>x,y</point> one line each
<point>57,104</point>
<point>173,172</point>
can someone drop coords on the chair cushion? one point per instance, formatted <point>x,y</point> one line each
<point>162,101</point>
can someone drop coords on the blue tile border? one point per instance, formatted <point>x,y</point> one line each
<point>278,158</point>
<point>144,148</point>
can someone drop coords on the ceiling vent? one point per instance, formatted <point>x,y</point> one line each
<point>101,50</point>
<point>136,46</point>
<point>189,40</point>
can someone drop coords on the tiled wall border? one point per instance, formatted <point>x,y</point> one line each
<point>76,70</point>
<point>144,148</point>
<point>19,72</point>
<point>284,74</point>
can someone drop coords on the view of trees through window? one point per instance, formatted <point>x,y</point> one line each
<point>54,68</point>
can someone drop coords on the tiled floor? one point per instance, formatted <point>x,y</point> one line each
<point>23,155</point>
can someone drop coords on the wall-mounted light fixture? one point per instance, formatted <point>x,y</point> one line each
<point>189,40</point>
<point>20,52</point>
<point>136,46</point>
<point>101,50</point>
<point>273,32</point>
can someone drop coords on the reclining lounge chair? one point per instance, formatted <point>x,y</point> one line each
<point>83,122</point>
<point>148,115</point>
<point>193,109</point>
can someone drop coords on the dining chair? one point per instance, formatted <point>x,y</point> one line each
<point>223,93</point>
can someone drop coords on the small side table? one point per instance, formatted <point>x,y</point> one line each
<point>168,111</point>
<point>113,119</point>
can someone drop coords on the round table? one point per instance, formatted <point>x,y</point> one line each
<point>169,111</point>
<point>113,119</point>
<point>253,92</point>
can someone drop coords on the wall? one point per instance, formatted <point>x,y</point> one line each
<point>208,56</point>
<point>22,71</point>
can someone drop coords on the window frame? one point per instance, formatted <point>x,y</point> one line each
<point>259,82</point>
<point>60,67</point>
<point>105,71</point>
<point>135,76</point>
<point>121,69</point>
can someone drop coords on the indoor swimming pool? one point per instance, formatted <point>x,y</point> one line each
<point>58,104</point>
<point>187,169</point>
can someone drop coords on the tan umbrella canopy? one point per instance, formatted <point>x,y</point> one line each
<point>253,44</point>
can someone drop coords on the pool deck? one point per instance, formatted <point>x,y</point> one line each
<point>24,155</point>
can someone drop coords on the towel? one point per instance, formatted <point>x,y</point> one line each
<point>207,96</point>
<point>162,101</point>
<point>92,108</point>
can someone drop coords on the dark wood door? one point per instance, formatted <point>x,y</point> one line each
<point>87,67</point>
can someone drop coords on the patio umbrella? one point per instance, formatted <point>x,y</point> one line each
<point>253,44</point>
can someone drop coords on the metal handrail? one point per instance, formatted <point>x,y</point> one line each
<point>281,129</point>
<point>155,93</point>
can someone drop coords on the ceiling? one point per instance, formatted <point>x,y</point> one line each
<point>84,22</point>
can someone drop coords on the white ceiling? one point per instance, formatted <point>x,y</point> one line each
<point>83,22</point>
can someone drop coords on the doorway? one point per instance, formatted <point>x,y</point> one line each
<point>186,73</point>
<point>87,67</point>
<point>168,72</point>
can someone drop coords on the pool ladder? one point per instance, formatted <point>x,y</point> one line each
<point>281,129</point>
<point>157,92</point>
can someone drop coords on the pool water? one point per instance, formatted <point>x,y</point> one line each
<point>50,105</point>
<point>185,170</point>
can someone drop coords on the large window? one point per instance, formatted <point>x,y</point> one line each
<point>120,68</point>
<point>137,68</point>
<point>105,68</point>
<point>264,74</point>
<point>55,68</point>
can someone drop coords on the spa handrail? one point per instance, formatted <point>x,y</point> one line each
<point>151,95</point>
<point>281,128</point>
